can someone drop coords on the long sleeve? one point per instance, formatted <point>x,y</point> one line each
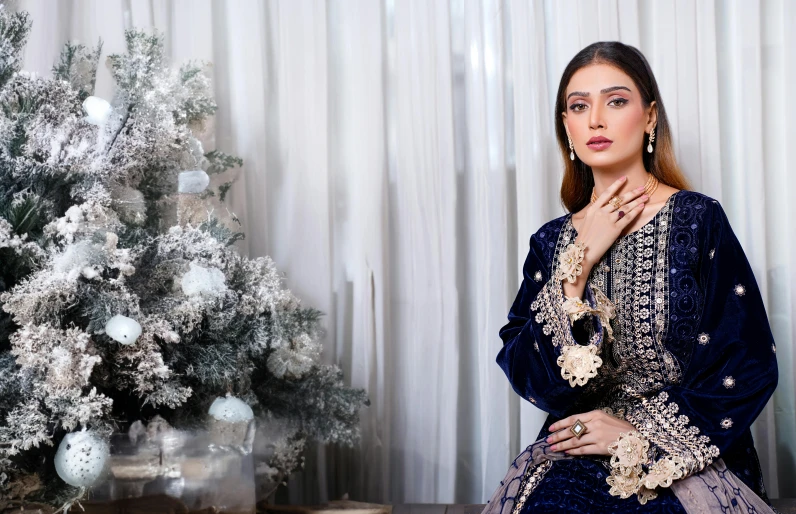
<point>547,357</point>
<point>731,374</point>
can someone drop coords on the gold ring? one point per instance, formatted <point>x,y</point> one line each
<point>616,202</point>
<point>578,429</point>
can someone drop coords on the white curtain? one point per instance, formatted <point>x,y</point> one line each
<point>398,156</point>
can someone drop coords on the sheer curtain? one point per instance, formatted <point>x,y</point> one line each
<point>398,156</point>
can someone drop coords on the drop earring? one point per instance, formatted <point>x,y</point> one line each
<point>652,138</point>
<point>571,150</point>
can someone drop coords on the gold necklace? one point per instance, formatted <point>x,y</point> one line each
<point>649,188</point>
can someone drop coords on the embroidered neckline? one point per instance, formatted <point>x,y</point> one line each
<point>650,222</point>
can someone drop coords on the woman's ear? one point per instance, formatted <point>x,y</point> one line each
<point>652,116</point>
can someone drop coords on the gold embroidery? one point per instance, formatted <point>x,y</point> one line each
<point>576,308</point>
<point>579,363</point>
<point>532,479</point>
<point>569,263</point>
<point>629,453</point>
<point>554,319</point>
<point>604,309</point>
<point>657,420</point>
<point>639,287</point>
<point>624,486</point>
<point>663,472</point>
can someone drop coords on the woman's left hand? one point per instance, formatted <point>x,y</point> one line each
<point>602,429</point>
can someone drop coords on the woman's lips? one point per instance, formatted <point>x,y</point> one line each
<point>602,145</point>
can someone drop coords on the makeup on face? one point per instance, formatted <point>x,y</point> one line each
<point>598,130</point>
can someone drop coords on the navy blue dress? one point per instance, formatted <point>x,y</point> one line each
<point>688,358</point>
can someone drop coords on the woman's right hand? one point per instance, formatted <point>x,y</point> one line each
<point>602,226</point>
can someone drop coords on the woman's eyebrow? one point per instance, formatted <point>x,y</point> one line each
<point>602,92</point>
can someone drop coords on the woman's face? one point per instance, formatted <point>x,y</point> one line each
<point>601,100</point>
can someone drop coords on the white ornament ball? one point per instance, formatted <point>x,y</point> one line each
<point>122,329</point>
<point>81,458</point>
<point>193,182</point>
<point>97,110</point>
<point>231,409</point>
<point>203,281</point>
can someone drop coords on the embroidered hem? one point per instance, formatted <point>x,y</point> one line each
<point>529,483</point>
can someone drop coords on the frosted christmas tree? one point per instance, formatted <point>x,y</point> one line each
<point>120,306</point>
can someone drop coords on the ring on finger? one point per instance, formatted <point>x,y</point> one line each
<point>615,202</point>
<point>578,428</point>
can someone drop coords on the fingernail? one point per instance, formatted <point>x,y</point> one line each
<point>548,439</point>
<point>639,188</point>
<point>644,197</point>
<point>624,177</point>
<point>554,447</point>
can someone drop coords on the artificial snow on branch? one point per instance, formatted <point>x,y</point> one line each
<point>117,308</point>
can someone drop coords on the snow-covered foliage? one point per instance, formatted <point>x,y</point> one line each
<point>89,189</point>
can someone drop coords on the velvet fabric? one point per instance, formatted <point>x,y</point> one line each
<point>717,339</point>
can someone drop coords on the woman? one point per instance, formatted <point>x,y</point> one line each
<point>639,325</point>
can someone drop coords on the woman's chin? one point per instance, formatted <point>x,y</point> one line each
<point>603,160</point>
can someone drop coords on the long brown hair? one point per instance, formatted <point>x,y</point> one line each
<point>578,180</point>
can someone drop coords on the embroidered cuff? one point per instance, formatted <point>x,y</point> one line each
<point>604,309</point>
<point>632,473</point>
<point>569,262</point>
<point>656,418</point>
<point>557,313</point>
<point>576,308</point>
<point>634,462</point>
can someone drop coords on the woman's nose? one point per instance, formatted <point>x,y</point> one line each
<point>596,116</point>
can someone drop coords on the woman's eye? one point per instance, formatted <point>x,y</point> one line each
<point>618,102</point>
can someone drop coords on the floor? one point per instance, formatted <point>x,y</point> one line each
<point>784,506</point>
